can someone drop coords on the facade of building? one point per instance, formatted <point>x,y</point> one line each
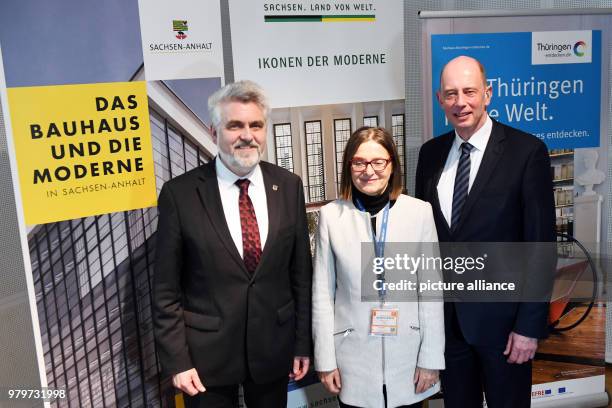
<point>310,140</point>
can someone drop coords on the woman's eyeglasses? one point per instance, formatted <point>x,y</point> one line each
<point>377,164</point>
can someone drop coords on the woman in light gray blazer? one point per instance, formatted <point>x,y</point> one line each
<point>366,370</point>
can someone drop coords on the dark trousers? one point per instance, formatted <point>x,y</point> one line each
<point>269,395</point>
<point>471,369</point>
<point>415,405</point>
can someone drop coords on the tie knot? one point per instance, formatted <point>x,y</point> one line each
<point>243,184</point>
<point>466,148</point>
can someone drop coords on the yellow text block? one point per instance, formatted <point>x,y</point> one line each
<point>82,150</point>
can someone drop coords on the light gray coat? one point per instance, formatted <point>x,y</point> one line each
<point>340,320</point>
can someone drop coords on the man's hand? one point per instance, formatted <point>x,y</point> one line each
<point>331,380</point>
<point>300,368</point>
<point>520,348</point>
<point>188,382</point>
<point>424,379</point>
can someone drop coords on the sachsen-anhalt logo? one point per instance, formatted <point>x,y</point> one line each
<point>180,27</point>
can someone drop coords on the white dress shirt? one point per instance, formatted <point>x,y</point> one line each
<point>230,193</point>
<point>446,184</point>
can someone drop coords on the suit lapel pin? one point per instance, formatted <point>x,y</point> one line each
<point>274,187</point>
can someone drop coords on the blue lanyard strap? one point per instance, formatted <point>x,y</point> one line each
<point>382,238</point>
<point>379,244</point>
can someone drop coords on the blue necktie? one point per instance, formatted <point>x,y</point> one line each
<point>462,182</point>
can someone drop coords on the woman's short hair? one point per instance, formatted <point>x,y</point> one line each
<point>383,138</point>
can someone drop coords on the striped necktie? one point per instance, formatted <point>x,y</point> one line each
<point>462,182</point>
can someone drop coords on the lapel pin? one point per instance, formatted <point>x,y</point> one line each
<point>274,187</point>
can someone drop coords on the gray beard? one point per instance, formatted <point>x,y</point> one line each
<point>242,165</point>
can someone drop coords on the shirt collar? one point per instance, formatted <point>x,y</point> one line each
<point>479,139</point>
<point>227,178</point>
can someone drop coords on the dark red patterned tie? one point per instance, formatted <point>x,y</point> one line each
<point>251,245</point>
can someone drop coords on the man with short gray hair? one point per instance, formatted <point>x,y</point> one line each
<point>232,283</point>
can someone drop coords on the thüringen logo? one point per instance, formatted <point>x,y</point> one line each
<point>561,47</point>
<point>579,48</point>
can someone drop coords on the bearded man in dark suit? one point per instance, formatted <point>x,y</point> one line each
<point>232,287</point>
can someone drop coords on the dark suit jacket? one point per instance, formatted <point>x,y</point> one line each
<point>511,200</point>
<point>208,311</point>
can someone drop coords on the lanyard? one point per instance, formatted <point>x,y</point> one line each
<point>379,244</point>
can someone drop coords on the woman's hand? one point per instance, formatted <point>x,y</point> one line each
<point>424,379</point>
<point>331,380</point>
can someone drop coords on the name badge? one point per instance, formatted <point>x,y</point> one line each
<point>384,321</point>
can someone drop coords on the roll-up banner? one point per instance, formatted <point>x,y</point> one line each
<point>548,75</point>
<point>329,68</point>
<point>106,102</point>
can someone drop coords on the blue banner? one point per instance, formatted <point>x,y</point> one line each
<point>544,83</point>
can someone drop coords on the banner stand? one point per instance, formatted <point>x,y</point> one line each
<point>563,377</point>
